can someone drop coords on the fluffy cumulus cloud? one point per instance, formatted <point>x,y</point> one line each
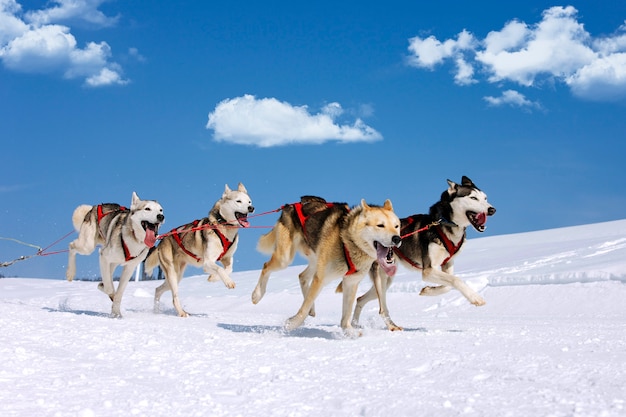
<point>557,48</point>
<point>269,122</point>
<point>36,42</point>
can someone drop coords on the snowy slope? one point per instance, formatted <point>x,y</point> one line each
<point>551,341</point>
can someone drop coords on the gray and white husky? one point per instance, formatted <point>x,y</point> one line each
<point>202,243</point>
<point>433,250</point>
<point>125,236</point>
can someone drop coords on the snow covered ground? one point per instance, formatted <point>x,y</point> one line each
<point>551,341</point>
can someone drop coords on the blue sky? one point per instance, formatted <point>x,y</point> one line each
<point>346,100</point>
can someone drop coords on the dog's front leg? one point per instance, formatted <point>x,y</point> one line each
<point>211,268</point>
<point>382,282</point>
<point>127,273</point>
<point>447,281</point>
<point>350,285</point>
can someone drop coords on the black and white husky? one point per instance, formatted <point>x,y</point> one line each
<point>432,251</point>
<point>125,236</point>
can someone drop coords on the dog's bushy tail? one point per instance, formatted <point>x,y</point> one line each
<point>79,215</point>
<point>267,242</point>
<point>152,260</point>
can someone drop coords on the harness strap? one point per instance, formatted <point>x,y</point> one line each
<point>127,254</point>
<point>226,244</point>
<point>405,258</point>
<point>102,214</point>
<point>302,218</point>
<point>450,247</point>
<point>351,268</point>
<point>178,239</point>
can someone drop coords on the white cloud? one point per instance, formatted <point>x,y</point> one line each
<point>558,48</point>
<point>38,45</point>
<point>70,11</point>
<point>429,52</point>
<point>511,98</point>
<point>269,122</point>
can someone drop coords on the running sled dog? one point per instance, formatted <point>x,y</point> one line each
<point>202,243</point>
<point>125,236</point>
<point>337,242</point>
<point>433,250</point>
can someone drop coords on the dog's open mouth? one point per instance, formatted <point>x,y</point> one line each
<point>152,229</point>
<point>242,219</point>
<point>478,220</point>
<point>386,259</point>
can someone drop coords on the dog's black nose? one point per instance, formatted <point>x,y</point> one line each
<point>396,240</point>
<point>250,209</point>
<point>491,211</point>
<point>160,217</point>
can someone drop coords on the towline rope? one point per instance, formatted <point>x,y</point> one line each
<point>40,251</point>
<point>428,226</point>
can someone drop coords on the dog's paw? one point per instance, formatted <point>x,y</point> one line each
<point>293,323</point>
<point>230,284</point>
<point>257,295</point>
<point>213,278</point>
<point>477,300</point>
<point>352,333</point>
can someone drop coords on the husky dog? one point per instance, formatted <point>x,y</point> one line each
<point>202,243</point>
<point>337,241</point>
<point>433,250</point>
<point>125,236</point>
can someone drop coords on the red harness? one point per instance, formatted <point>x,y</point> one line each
<point>101,214</point>
<point>226,244</point>
<point>451,248</point>
<point>298,207</point>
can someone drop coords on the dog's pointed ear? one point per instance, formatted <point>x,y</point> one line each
<point>465,181</point>
<point>388,205</point>
<point>226,189</point>
<point>242,189</point>
<point>451,187</point>
<point>364,204</point>
<point>135,200</point>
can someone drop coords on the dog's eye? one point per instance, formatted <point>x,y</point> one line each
<point>148,209</point>
<point>239,201</point>
<point>381,225</point>
<point>474,198</point>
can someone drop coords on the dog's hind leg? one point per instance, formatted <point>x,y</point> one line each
<point>106,270</point>
<point>282,256</point>
<point>175,279</point>
<point>305,278</point>
<point>84,244</point>
<point>158,292</point>
<point>314,290</point>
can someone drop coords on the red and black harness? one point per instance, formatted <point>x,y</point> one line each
<point>101,214</point>
<point>298,207</point>
<point>451,248</point>
<point>175,233</point>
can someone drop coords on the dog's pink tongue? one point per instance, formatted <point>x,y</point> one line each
<point>150,239</point>
<point>381,257</point>
<point>481,218</point>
